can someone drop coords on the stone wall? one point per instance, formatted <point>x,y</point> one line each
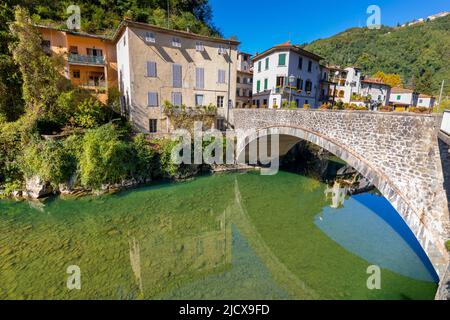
<point>399,153</point>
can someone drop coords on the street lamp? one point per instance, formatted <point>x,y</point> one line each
<point>291,83</point>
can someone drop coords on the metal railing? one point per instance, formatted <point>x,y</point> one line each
<point>445,127</point>
<point>82,59</point>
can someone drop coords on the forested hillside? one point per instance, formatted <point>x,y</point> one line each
<point>420,54</point>
<point>97,16</point>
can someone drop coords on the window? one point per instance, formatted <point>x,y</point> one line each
<point>199,46</point>
<point>177,99</point>
<point>399,97</point>
<point>199,99</point>
<point>76,74</point>
<point>238,92</point>
<point>282,59</point>
<point>280,81</point>
<point>125,41</point>
<point>177,76</point>
<point>274,101</point>
<point>94,52</point>
<point>200,78</point>
<point>153,125</point>
<point>151,69</point>
<point>150,37</point>
<point>420,100</point>
<point>220,124</point>
<point>46,44</point>
<point>221,76</point>
<point>176,42</point>
<point>259,66</point>
<point>300,63</point>
<point>258,86</point>
<point>309,66</point>
<point>152,99</point>
<point>220,101</point>
<point>222,50</point>
<point>267,63</point>
<point>308,86</point>
<point>73,49</point>
<point>266,83</point>
<point>239,80</point>
<point>299,84</point>
<point>265,102</point>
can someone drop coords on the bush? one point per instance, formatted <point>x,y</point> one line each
<point>420,110</point>
<point>47,160</point>
<point>325,106</point>
<point>146,163</point>
<point>447,245</point>
<point>105,157</point>
<point>90,113</point>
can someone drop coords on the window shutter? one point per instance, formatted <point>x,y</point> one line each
<point>152,99</point>
<point>221,76</point>
<point>177,99</point>
<point>258,85</point>
<point>200,78</point>
<point>151,69</point>
<point>177,76</point>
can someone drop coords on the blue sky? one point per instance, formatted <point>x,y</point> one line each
<point>260,24</point>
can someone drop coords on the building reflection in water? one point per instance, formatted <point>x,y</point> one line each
<point>338,194</point>
<point>165,260</point>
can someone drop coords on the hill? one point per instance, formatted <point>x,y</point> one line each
<point>420,54</point>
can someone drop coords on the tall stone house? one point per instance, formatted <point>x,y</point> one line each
<point>157,64</point>
<point>244,81</point>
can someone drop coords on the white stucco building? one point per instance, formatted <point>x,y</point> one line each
<point>402,98</point>
<point>426,101</point>
<point>273,69</point>
<point>352,87</point>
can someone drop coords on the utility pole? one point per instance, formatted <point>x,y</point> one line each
<point>440,95</point>
<point>168,14</point>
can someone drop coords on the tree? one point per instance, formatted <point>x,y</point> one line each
<point>425,83</point>
<point>392,79</point>
<point>42,75</point>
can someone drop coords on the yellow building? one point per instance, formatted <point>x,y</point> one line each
<point>91,61</point>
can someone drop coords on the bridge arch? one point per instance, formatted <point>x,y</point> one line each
<point>290,135</point>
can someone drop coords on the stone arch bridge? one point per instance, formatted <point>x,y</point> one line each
<point>399,153</point>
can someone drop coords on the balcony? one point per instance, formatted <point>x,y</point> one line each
<point>86,60</point>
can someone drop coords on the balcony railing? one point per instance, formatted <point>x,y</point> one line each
<point>82,59</point>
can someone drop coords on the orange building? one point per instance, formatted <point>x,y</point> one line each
<point>91,61</point>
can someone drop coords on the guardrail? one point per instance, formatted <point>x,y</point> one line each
<point>76,58</point>
<point>445,127</point>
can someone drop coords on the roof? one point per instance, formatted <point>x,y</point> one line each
<point>401,90</point>
<point>245,71</point>
<point>287,46</point>
<point>74,33</point>
<point>375,81</point>
<point>128,23</point>
<point>422,95</point>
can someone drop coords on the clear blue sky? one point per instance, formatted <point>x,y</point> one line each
<point>260,24</point>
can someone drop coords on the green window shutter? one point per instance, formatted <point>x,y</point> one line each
<point>258,85</point>
<point>259,66</point>
<point>282,59</point>
<point>267,63</point>
<point>266,83</point>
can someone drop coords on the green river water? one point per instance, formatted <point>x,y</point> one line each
<point>230,236</point>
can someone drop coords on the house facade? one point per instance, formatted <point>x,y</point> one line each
<point>244,81</point>
<point>402,99</point>
<point>375,91</point>
<point>426,101</point>
<point>273,71</point>
<point>90,60</point>
<point>347,82</point>
<point>157,64</point>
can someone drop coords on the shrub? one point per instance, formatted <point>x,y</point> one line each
<point>293,105</point>
<point>325,106</point>
<point>105,157</point>
<point>420,110</point>
<point>275,106</point>
<point>447,245</point>
<point>146,163</point>
<point>385,109</point>
<point>47,160</point>
<point>90,113</point>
